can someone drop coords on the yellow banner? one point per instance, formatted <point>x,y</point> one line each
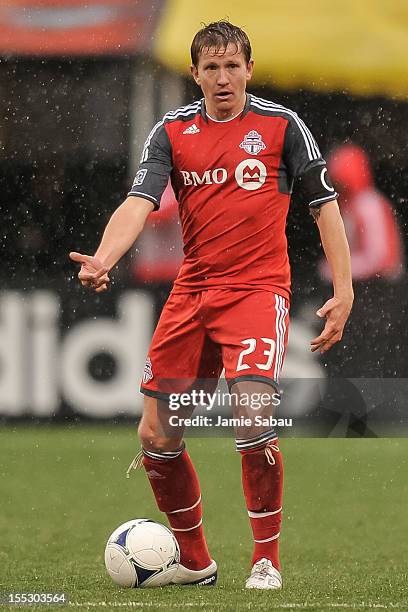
<point>358,46</point>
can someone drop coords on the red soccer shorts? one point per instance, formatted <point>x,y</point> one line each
<point>198,334</point>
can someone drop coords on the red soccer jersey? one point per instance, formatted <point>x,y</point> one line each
<point>233,181</point>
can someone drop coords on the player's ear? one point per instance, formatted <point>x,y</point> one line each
<point>250,69</point>
<point>194,72</point>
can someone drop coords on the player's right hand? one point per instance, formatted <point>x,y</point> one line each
<point>93,273</point>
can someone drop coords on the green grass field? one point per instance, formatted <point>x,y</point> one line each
<point>345,533</point>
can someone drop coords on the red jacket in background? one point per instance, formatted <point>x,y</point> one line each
<point>371,226</point>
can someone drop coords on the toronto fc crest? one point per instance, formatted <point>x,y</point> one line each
<point>253,143</point>
<point>147,372</point>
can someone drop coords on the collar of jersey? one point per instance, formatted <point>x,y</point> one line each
<point>241,115</point>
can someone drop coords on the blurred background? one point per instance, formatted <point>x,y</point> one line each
<point>81,85</point>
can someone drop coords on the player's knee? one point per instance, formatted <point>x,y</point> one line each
<point>154,440</point>
<point>148,436</point>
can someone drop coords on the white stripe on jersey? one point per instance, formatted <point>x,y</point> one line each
<point>183,111</point>
<point>311,145</point>
<point>333,196</point>
<point>299,121</point>
<point>145,195</point>
<point>310,153</point>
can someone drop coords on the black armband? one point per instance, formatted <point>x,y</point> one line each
<point>316,187</point>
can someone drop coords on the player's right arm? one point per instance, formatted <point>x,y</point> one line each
<point>129,218</point>
<point>122,230</point>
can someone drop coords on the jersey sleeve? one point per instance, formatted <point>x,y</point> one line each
<point>305,163</point>
<point>155,167</point>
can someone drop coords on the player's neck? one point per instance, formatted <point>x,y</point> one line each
<point>219,114</point>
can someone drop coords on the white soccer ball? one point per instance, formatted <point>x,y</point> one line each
<point>142,553</point>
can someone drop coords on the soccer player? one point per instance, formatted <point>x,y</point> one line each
<point>232,159</point>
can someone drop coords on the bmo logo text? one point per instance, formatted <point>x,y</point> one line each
<point>40,367</point>
<point>209,177</point>
<point>250,174</point>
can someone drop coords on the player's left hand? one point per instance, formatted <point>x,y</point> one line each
<point>336,311</point>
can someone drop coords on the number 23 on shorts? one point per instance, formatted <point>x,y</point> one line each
<point>252,345</point>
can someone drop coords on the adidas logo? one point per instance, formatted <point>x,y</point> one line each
<point>193,129</point>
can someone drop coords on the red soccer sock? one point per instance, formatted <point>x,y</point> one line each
<point>262,480</point>
<point>177,491</point>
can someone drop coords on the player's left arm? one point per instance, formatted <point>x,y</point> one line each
<point>305,163</point>
<point>337,309</point>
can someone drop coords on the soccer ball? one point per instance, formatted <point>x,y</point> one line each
<point>142,553</point>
